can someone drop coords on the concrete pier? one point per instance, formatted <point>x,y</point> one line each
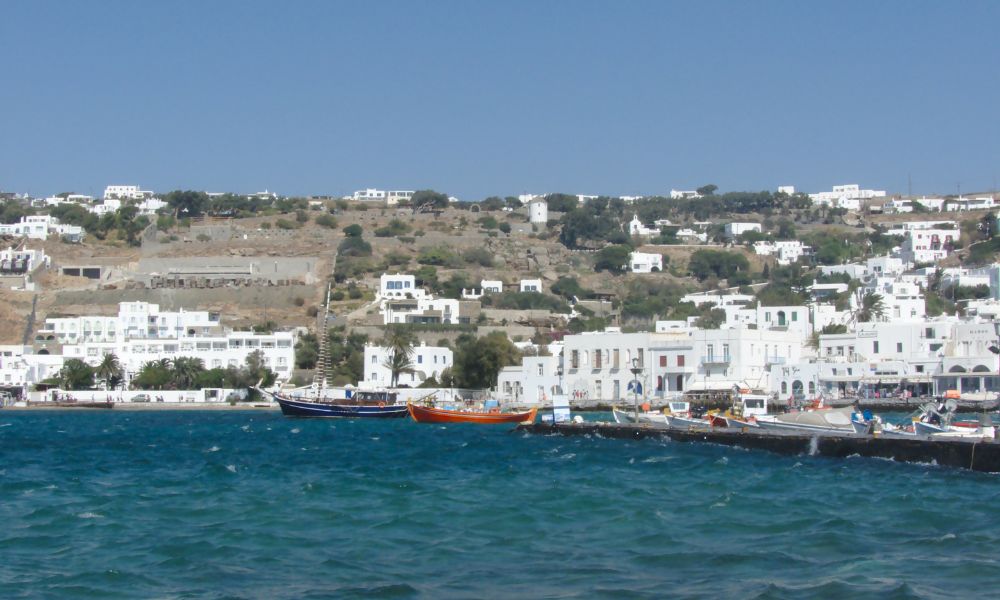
<point>973,454</point>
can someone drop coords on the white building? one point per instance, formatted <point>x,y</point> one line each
<point>737,229</point>
<point>491,286</point>
<point>142,332</point>
<point>40,227</point>
<point>641,262</point>
<point>399,285</point>
<point>531,285</point>
<point>786,189</point>
<point>425,362</point>
<point>369,195</point>
<point>597,365</point>
<point>537,380</point>
<point>126,192</point>
<point>963,204</point>
<point>846,196</point>
<point>23,260</point>
<point>684,194</point>
<point>928,245</point>
<point>538,211</point>
<point>635,227</point>
<point>786,251</point>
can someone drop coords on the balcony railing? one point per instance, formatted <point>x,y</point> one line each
<point>715,359</point>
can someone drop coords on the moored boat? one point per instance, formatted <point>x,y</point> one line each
<point>428,414</point>
<point>625,416</point>
<point>346,408</point>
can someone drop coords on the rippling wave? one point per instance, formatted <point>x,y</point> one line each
<point>251,505</point>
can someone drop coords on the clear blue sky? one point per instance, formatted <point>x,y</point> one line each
<point>476,98</point>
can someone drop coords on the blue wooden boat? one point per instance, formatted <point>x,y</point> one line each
<point>367,405</point>
<point>356,403</point>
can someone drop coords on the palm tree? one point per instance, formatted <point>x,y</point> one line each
<point>870,308</point>
<point>186,370</point>
<point>399,342</point>
<point>110,371</point>
<point>75,375</point>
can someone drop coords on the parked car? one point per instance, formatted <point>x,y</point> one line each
<point>141,398</point>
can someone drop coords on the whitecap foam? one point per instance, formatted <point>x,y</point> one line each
<point>296,430</point>
<point>231,468</point>
<point>658,459</point>
<point>245,428</point>
<point>90,515</point>
<point>213,449</point>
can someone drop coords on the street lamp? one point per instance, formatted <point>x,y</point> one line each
<point>636,386</point>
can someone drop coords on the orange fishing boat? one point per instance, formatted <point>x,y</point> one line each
<point>426,414</point>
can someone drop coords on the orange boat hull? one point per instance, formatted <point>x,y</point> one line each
<point>424,414</point>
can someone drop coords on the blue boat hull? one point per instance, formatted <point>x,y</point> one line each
<point>303,408</point>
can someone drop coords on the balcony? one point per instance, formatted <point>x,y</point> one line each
<point>713,359</point>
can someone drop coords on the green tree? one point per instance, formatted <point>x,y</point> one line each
<point>109,371</point>
<point>871,307</point>
<point>75,375</point>
<point>187,203</point>
<point>562,202</point>
<point>428,199</point>
<point>707,190</point>
<point>257,371</point>
<point>399,343</point>
<point>353,230</point>
<point>186,370</point>
<point>612,258</point>
<point>478,360</point>
<point>306,351</point>
<point>154,375</point>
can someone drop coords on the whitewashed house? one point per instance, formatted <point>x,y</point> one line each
<point>425,362</point>
<point>643,262</point>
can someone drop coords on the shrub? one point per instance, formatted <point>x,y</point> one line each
<point>326,221</point>
<point>353,231</point>
<point>337,296</point>
<point>285,224</point>
<point>299,301</point>
<point>265,225</point>
<point>203,238</point>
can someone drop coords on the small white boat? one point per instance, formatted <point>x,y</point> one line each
<point>837,420</point>
<point>625,416</point>
<point>686,422</point>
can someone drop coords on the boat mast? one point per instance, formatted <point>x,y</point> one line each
<point>323,361</point>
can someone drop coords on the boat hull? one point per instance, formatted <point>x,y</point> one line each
<point>786,426</point>
<point>426,414</point>
<point>624,416</point>
<point>302,408</point>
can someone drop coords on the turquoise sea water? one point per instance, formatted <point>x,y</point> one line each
<point>252,505</point>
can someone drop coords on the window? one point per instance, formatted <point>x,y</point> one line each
<point>899,346</point>
<point>680,360</point>
<point>541,369</point>
<point>795,317</point>
<point>420,359</point>
<point>574,359</point>
<point>615,358</point>
<point>663,360</point>
<point>875,347</point>
<point>725,351</point>
<point>374,359</point>
<point>920,368</point>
